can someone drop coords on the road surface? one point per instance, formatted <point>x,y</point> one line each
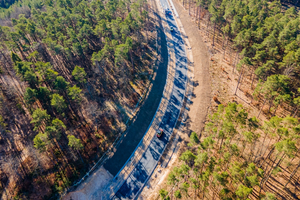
<point>139,127</point>
<point>144,168</point>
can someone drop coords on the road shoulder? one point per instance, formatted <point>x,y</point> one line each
<point>202,80</point>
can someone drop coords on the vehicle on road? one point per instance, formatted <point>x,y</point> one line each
<point>171,29</point>
<point>168,12</point>
<point>159,133</point>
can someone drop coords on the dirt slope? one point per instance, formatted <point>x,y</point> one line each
<point>202,81</point>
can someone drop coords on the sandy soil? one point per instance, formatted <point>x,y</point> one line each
<point>97,180</point>
<point>202,82</point>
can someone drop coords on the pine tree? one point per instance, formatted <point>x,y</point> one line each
<point>79,74</point>
<point>75,144</point>
<point>39,117</point>
<point>58,103</point>
<point>30,96</point>
<point>40,142</point>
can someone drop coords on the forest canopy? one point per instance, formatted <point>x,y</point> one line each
<point>237,155</point>
<point>71,75</point>
<point>262,41</point>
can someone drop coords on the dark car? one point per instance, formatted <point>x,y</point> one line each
<point>159,133</point>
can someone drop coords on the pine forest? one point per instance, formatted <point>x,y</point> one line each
<point>242,154</point>
<point>72,73</point>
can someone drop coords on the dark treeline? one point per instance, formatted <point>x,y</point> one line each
<point>292,2</point>
<point>6,3</point>
<point>71,73</point>
<point>12,9</point>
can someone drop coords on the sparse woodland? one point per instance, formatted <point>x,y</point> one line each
<point>71,75</point>
<point>237,155</point>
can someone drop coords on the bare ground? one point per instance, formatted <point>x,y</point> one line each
<point>98,180</point>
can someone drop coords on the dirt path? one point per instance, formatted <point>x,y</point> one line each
<point>202,81</point>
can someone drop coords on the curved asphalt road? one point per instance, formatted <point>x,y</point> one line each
<point>144,117</point>
<point>144,168</point>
